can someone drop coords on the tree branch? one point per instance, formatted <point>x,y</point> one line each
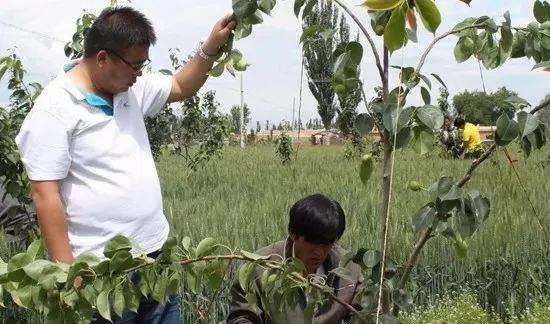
<point>269,264</point>
<point>367,35</point>
<point>437,39</point>
<point>542,105</point>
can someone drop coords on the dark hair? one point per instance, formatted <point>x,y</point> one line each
<point>459,122</point>
<point>118,29</point>
<point>318,219</point>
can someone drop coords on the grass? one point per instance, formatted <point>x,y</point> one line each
<point>243,199</point>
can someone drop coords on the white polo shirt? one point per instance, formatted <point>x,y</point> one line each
<point>108,180</point>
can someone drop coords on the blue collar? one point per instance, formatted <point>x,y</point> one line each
<point>97,101</point>
<point>92,99</point>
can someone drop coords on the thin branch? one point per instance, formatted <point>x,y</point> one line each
<point>437,39</point>
<point>414,256</point>
<point>367,35</point>
<point>542,105</point>
<point>537,217</point>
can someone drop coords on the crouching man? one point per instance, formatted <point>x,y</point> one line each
<point>316,223</point>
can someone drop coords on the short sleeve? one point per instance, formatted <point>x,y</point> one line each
<point>44,144</point>
<point>152,91</point>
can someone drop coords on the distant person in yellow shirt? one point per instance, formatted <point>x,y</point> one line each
<point>471,140</point>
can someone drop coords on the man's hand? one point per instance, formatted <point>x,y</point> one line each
<point>219,35</point>
<point>192,76</point>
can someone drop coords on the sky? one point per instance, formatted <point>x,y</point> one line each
<point>38,30</point>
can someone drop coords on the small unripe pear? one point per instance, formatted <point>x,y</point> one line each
<point>366,168</point>
<point>414,186</point>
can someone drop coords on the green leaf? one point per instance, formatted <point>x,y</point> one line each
<point>132,297</point>
<point>34,269</point>
<point>343,273</point>
<point>439,80</point>
<point>242,30</point>
<point>246,273</point>
<point>205,247</point>
<point>36,249</point>
<point>422,141</point>
<point>507,130</point>
<point>309,311</point>
<point>160,289</point>
<point>382,5</point>
<point>170,243</point>
<point>103,305</point>
<point>165,72</point>
<point>481,205</point>
<point>405,117</point>
<point>364,123</point>
<point>527,123</point>
<point>244,8</point>
<point>423,219</point>
<point>254,256</point>
<point>310,32</point>
<point>541,14</point>
<point>186,243</point>
<point>490,26</point>
<point>122,260</point>
<point>404,136</point>
<point>117,243</point>
<point>506,42</point>
<point>395,35</point>
<point>372,258</point>
<point>87,257</point>
<point>18,261</point>
<point>308,8</point>
<point>254,19</point>
<point>431,18</point>
<point>518,45</point>
<point>51,275</point>
<point>464,49</point>
<point>426,81</point>
<point>118,301</point>
<point>425,95</point>
<point>217,70</point>
<point>298,4</point>
<point>266,6</point>
<point>431,116</point>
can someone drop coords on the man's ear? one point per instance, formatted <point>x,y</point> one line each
<point>293,237</point>
<point>101,57</point>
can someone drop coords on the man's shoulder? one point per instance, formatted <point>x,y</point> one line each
<point>54,94</point>
<point>276,248</point>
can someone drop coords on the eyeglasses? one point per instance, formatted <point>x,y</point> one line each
<point>136,68</point>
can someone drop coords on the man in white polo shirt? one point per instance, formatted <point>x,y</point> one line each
<point>85,146</point>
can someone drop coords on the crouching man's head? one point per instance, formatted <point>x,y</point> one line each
<point>316,223</point>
